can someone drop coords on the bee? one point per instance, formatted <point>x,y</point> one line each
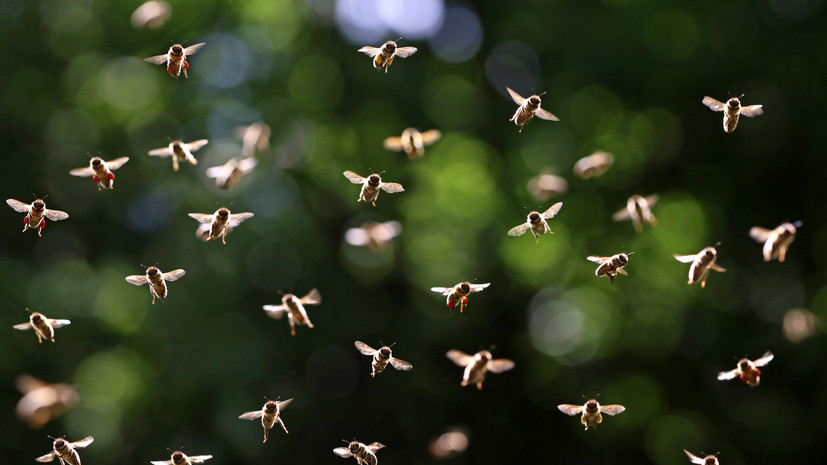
<point>458,295</point>
<point>101,171</point>
<point>477,365</point>
<point>776,241</point>
<point>732,110</point>
<point>377,236</point>
<point>383,56</point>
<point>43,327</point>
<point>610,266</point>
<point>528,108</point>
<point>294,308</point>
<point>151,14</point>
<point>593,165</point>
<point>412,142</point>
<point>591,412</point>
<point>747,370</point>
<point>269,414</point>
<point>639,210</point>
<point>157,281</point>
<point>371,186</point>
<point>35,214</point>
<point>547,185</point>
<point>364,455</point>
<point>708,460</point>
<point>180,458</point>
<point>176,59</point>
<point>218,224</point>
<point>702,262</point>
<point>180,151</point>
<point>229,174</point>
<point>255,137</point>
<point>42,402</point>
<point>381,358</point>
<point>66,451</point>
<point>536,222</point>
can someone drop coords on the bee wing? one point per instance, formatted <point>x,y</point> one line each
<point>479,287</point>
<point>375,446</point>
<point>199,458</point>
<point>621,215</point>
<point>393,143</point>
<point>215,171</point>
<point>685,258</point>
<point>717,267</point>
<point>23,326</point>
<point>752,110</point>
<point>246,165</point>
<point>613,409</point>
<point>283,403</point>
<point>161,462</point>
<point>312,298</point>
<point>597,259</point>
<point>390,230</point>
<point>26,383</point>
<point>46,458</point>
<point>137,279</point>
<point>117,163</point>
<point>237,218</point>
<point>191,50</point>
<point>459,357</point>
<point>518,99</point>
<point>364,348</point>
<point>343,452</point>
<point>500,365</point>
<point>759,234</point>
<point>714,104</point>
<point>693,458</point>
<point>404,52</point>
<point>201,217</point>
<point>552,210</point>
<point>727,375</point>
<point>174,275</point>
<point>251,415</point>
<point>84,172</point>
<point>652,199</point>
<point>18,205</point>
<point>83,442</point>
<point>430,136</point>
<point>391,187</point>
<point>518,230</point>
<point>162,152</point>
<point>543,114</point>
<point>157,59</point>
<point>197,145</point>
<point>353,177</point>
<point>357,236</point>
<point>275,311</point>
<point>570,409</point>
<point>370,51</point>
<point>443,290</point>
<point>59,323</point>
<point>55,215</point>
<point>400,364</point>
<point>765,359</point>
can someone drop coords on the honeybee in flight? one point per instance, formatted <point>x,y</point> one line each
<point>42,402</point>
<point>229,174</point>
<point>528,108</point>
<point>43,327</point>
<point>176,59</point>
<point>294,308</point>
<point>255,137</point>
<point>412,142</point>
<point>381,358</point>
<point>269,414</point>
<point>371,186</point>
<point>364,455</point>
<point>639,210</point>
<point>35,214</point>
<point>610,266</point>
<point>458,295</point>
<point>101,171</point>
<point>776,241</point>
<point>702,262</point>
<point>732,110</point>
<point>747,370</point>
<point>547,185</point>
<point>66,451</point>
<point>180,151</point>
<point>157,281</point>
<point>593,165</point>
<point>708,460</point>
<point>591,412</point>
<point>536,222</point>
<point>218,224</point>
<point>377,236</point>
<point>180,458</point>
<point>477,365</point>
<point>383,56</point>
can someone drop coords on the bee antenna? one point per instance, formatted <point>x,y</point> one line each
<point>741,96</point>
<point>542,94</point>
<point>630,253</point>
<point>798,224</point>
<point>345,440</point>
<point>400,38</point>
<point>718,244</point>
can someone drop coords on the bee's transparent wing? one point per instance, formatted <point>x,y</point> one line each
<point>685,258</point>
<point>199,458</point>
<point>759,234</point>
<point>162,152</point>
<point>312,298</point>
<point>357,236</point>
<point>500,365</point>
<point>404,52</point>
<point>543,114</point>
<point>372,52</point>
<point>47,457</point>
<point>597,258</point>
<point>518,99</point>
<point>23,326</point>
<point>693,458</point>
<point>283,403</point>
<point>621,215</point>
<point>117,163</point>
<point>713,104</point>
<point>353,177</point>
<point>375,446</point>
<point>201,217</point>
<point>364,348</point>
<point>137,279</point>
<point>765,359</point>
<point>393,143</point>
<point>18,205</point>
<point>174,275</point>
<point>553,210</point>
<point>343,452</point>
<point>752,110</point>
<point>430,136</point>
<point>275,311</point>
<point>570,409</point>
<point>55,215</point>
<point>157,59</point>
<point>727,375</point>
<point>518,230</point>
<point>217,171</point>
<point>59,323</point>
<point>651,199</point>
<point>400,364</point>
<point>83,442</point>
<point>83,172</point>
<point>251,415</point>
<point>197,145</point>
<point>237,218</point>
<point>459,357</point>
<point>443,290</point>
<point>391,187</point>
<point>478,287</point>
<point>613,409</point>
<point>191,50</point>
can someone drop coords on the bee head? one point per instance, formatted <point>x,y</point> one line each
<point>484,355</point>
<point>36,317</point>
<point>96,162</point>
<point>533,217</point>
<point>223,212</point>
<point>465,287</point>
<point>152,272</point>
<point>59,443</point>
<point>592,405</point>
<point>734,103</point>
<point>374,179</point>
<point>710,253</point>
<point>271,406</point>
<point>743,364</point>
<point>177,456</point>
<point>534,100</point>
<point>385,351</point>
<point>176,146</point>
<point>39,204</point>
<point>177,49</point>
<point>288,297</point>
<point>622,259</point>
<point>788,229</point>
<point>390,46</point>
<point>354,447</point>
<point>711,460</point>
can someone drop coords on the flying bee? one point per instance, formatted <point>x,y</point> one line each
<point>101,171</point>
<point>180,458</point>
<point>610,266</point>
<point>381,358</point>
<point>180,151</point>
<point>218,224</point>
<point>176,59</point>
<point>547,185</point>
<point>458,295</point>
<point>229,174</point>
<point>66,451</point>
<point>383,56</point>
<point>747,370</point>
<point>151,14</point>
<point>43,327</point>
<point>269,414</point>
<point>377,236</point>
<point>35,214</point>
<point>255,137</point>
<point>157,281</point>
<point>294,308</point>
<point>528,108</point>
<point>593,165</point>
<point>708,460</point>
<point>591,412</point>
<point>412,142</point>
<point>371,186</point>
<point>639,210</point>
<point>732,110</point>
<point>536,222</point>
<point>43,402</point>
<point>702,262</point>
<point>364,455</point>
<point>477,365</point>
<point>776,241</point>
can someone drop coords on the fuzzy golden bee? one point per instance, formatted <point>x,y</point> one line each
<point>371,186</point>
<point>36,214</point>
<point>101,171</point>
<point>43,327</point>
<point>66,451</point>
<point>254,138</point>
<point>364,454</point>
<point>270,415</point>
<point>747,370</point>
<point>776,241</point>
<point>43,402</point>
<point>702,262</point>
<point>528,109</point>
<point>218,224</point>
<point>176,59</point>
<point>180,152</point>
<point>376,236</point>
<point>610,266</point>
<point>458,295</point>
<point>733,110</point>
<point>228,175</point>
<point>383,56</point>
<point>536,222</point>
<point>639,210</point>
<point>294,308</point>
<point>593,165</point>
<point>412,142</point>
<point>381,358</point>
<point>180,458</point>
<point>157,281</point>
<point>547,185</point>
<point>591,412</point>
<point>477,365</point>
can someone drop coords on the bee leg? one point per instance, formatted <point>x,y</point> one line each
<point>40,228</point>
<point>174,163</point>
<point>266,435</point>
<point>292,328</point>
<point>611,278</point>
<point>224,236</point>
<point>782,254</point>
<point>479,385</point>
<point>39,339</point>
<point>282,426</point>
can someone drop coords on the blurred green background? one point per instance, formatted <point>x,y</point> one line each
<point>625,76</point>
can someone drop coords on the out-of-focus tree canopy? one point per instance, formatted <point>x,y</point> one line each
<point>623,76</point>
